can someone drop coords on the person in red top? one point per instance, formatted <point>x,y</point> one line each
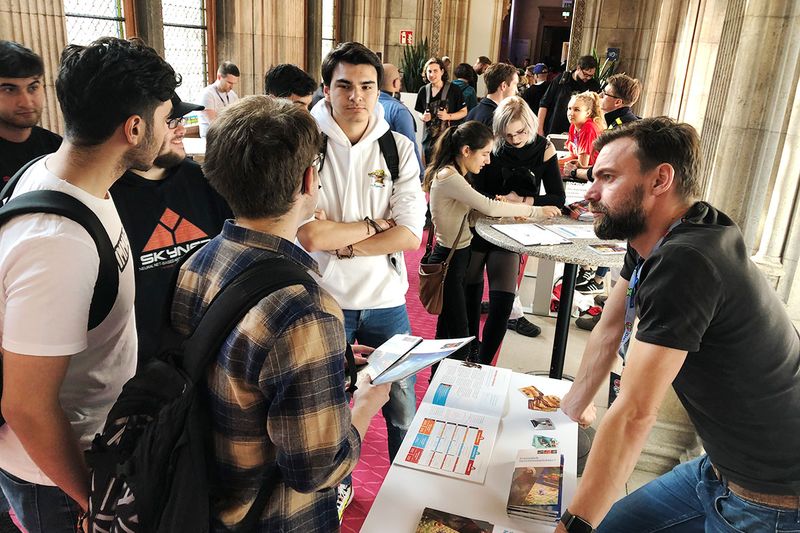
<point>586,123</point>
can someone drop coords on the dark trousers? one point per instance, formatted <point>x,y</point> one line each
<point>452,321</point>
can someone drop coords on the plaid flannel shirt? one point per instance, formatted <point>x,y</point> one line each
<point>276,389</point>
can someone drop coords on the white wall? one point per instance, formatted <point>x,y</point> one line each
<point>482,24</point>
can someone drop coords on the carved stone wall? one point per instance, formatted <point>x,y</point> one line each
<point>39,25</point>
<point>257,34</point>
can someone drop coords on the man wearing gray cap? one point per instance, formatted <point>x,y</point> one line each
<point>166,211</point>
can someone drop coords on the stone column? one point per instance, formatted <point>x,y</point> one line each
<point>39,25</point>
<point>761,66</point>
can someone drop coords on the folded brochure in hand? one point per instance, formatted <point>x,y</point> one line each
<point>405,355</point>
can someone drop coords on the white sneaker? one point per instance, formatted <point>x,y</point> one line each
<point>344,495</point>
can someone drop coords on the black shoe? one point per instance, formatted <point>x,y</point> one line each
<point>484,308</point>
<point>584,275</point>
<point>523,326</point>
<point>590,287</point>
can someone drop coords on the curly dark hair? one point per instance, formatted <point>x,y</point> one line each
<point>100,85</point>
<point>285,80</point>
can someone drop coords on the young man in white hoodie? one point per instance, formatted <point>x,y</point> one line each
<point>366,217</point>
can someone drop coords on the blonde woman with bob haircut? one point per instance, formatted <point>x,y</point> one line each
<point>522,163</point>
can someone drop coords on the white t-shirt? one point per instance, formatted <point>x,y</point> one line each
<point>214,100</point>
<point>48,268</point>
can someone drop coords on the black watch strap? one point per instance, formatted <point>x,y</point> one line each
<point>573,173</point>
<point>575,524</point>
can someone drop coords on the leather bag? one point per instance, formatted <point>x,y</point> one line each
<point>432,275</point>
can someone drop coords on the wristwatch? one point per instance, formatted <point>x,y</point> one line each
<point>573,173</point>
<point>575,524</point>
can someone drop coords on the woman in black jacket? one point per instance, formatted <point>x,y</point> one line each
<point>522,162</point>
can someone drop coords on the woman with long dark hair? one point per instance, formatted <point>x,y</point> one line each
<point>522,162</point>
<point>461,152</point>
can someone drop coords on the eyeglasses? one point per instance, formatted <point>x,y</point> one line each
<point>173,123</point>
<point>512,136</point>
<point>604,93</point>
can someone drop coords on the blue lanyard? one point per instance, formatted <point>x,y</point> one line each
<point>630,296</point>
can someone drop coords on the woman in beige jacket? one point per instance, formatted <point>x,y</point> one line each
<point>459,153</point>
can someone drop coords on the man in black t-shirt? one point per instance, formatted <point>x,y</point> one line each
<point>438,113</point>
<point>21,105</point>
<point>537,74</point>
<point>553,106</point>
<point>711,326</point>
<point>167,211</point>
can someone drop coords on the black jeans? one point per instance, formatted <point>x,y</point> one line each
<point>452,321</point>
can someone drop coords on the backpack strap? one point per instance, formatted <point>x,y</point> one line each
<point>8,189</point>
<point>388,147</point>
<point>443,95</point>
<point>427,94</point>
<point>59,203</point>
<point>226,310</point>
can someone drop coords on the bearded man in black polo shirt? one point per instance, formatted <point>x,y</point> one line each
<point>710,325</point>
<point>166,211</point>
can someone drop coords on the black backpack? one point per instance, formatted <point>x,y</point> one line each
<point>59,203</point>
<point>149,466</point>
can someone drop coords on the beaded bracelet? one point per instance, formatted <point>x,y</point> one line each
<point>349,249</point>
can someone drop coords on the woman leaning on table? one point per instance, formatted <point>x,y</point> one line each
<point>521,163</point>
<point>460,153</point>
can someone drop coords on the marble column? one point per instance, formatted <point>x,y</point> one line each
<point>39,25</point>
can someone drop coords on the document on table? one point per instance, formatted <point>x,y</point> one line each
<point>530,234</point>
<point>574,231</point>
<point>456,425</point>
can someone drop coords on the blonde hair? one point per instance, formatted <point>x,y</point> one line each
<point>511,109</point>
<point>591,101</point>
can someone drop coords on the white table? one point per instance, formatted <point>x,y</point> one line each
<point>406,492</point>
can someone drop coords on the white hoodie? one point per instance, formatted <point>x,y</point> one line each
<point>349,193</point>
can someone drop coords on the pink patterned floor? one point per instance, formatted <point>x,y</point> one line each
<point>374,464</point>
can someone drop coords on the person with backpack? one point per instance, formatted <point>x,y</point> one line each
<point>60,378</point>
<point>371,209</point>
<point>275,390</point>
<point>439,103</point>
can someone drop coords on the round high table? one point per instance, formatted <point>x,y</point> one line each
<point>572,255</point>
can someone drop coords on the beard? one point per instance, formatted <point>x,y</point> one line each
<point>627,224</point>
<point>168,160</point>
<point>21,122</point>
<point>141,157</point>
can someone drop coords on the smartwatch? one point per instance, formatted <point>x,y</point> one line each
<point>575,524</point>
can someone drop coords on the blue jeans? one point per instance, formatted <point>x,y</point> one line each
<point>373,327</point>
<point>691,499</point>
<point>39,508</point>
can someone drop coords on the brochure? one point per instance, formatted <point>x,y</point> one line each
<point>404,355</point>
<point>456,427</point>
<point>536,486</point>
<point>574,231</point>
<point>435,521</point>
<point>610,248</point>
<point>531,234</point>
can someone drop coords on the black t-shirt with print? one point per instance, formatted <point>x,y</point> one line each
<point>13,156</point>
<point>164,220</point>
<point>434,127</point>
<point>740,383</point>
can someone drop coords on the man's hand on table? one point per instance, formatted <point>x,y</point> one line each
<point>584,417</point>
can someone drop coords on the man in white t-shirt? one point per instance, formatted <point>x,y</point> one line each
<point>59,379</point>
<point>218,95</point>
